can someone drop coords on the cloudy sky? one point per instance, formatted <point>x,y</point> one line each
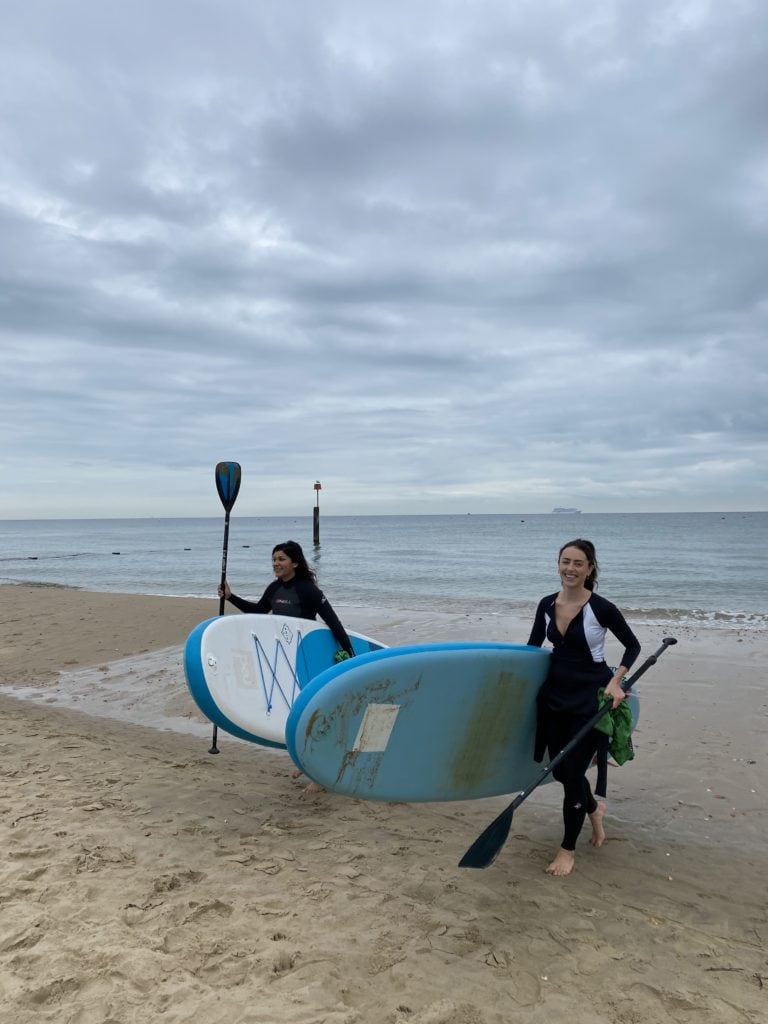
<point>443,256</point>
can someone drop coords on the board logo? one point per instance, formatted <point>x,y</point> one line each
<point>287,634</point>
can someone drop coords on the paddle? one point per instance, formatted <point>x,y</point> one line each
<point>486,847</point>
<point>228,485</point>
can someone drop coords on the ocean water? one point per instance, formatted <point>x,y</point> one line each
<point>660,568</point>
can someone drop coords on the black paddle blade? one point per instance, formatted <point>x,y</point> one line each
<point>487,846</point>
<point>228,483</point>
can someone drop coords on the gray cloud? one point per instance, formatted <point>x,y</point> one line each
<point>445,257</point>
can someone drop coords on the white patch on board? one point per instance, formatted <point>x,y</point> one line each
<point>243,670</point>
<point>375,728</point>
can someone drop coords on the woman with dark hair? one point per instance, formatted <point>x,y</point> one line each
<point>575,621</point>
<point>294,592</point>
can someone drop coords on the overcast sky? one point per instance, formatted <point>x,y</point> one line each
<point>444,257</point>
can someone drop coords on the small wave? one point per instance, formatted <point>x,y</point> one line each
<point>52,558</point>
<point>42,584</point>
<point>712,618</point>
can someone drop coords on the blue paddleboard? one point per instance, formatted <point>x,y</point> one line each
<point>450,721</point>
<point>244,671</point>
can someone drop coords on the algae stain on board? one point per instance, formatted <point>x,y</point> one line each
<point>488,731</point>
<point>363,768</point>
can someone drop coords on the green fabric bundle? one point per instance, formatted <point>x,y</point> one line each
<point>617,724</point>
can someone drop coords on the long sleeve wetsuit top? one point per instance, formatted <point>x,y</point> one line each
<point>577,669</point>
<point>300,599</point>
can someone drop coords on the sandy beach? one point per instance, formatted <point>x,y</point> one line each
<point>146,880</point>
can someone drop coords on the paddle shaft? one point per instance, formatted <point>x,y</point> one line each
<point>222,599</point>
<point>228,485</point>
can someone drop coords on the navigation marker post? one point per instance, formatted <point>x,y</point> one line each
<point>316,514</point>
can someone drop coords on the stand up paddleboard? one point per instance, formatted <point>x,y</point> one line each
<point>451,721</point>
<point>244,671</point>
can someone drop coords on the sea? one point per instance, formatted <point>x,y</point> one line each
<point>700,568</point>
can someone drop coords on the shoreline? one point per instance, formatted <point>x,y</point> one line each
<point>145,879</point>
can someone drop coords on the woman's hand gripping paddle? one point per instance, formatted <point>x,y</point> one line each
<point>486,847</point>
<point>228,486</point>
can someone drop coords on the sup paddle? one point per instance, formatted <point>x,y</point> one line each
<point>228,485</point>
<point>486,847</point>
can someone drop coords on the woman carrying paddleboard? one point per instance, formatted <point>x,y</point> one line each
<point>575,621</point>
<point>293,592</point>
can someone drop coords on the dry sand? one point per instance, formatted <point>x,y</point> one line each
<point>145,880</point>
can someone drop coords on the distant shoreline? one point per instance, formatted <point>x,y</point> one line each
<point>301,516</point>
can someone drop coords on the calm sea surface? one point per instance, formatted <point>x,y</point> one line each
<point>702,568</point>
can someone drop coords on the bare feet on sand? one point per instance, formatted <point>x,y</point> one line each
<point>563,863</point>
<point>596,818</point>
<point>313,787</point>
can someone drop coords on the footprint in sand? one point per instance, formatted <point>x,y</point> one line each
<point>54,993</point>
<point>283,962</point>
<point>99,857</point>
<point>445,1011</point>
<point>167,883</point>
<point>215,908</point>
<point>24,939</point>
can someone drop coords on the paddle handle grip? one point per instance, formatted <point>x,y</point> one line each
<point>629,681</point>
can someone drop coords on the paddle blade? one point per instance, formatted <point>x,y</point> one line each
<point>228,483</point>
<point>487,846</point>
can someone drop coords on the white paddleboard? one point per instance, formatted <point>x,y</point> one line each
<point>244,671</point>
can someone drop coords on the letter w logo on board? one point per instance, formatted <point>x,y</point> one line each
<point>278,672</point>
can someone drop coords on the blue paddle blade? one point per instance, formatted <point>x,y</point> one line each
<point>228,483</point>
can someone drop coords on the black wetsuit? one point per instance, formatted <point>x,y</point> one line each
<point>601,759</point>
<point>568,696</point>
<point>300,599</point>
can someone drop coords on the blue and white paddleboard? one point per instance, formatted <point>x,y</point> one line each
<point>244,671</point>
<point>449,721</point>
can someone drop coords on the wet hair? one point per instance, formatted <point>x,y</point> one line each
<point>587,548</point>
<point>294,552</point>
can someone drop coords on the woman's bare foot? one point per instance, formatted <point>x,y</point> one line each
<point>596,819</point>
<point>313,787</point>
<point>563,863</point>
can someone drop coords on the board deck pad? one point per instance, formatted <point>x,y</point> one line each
<point>430,722</point>
<point>244,671</point>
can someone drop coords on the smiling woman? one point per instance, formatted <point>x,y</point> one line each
<point>575,621</point>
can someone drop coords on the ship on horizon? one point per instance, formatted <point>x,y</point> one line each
<point>566,511</point>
